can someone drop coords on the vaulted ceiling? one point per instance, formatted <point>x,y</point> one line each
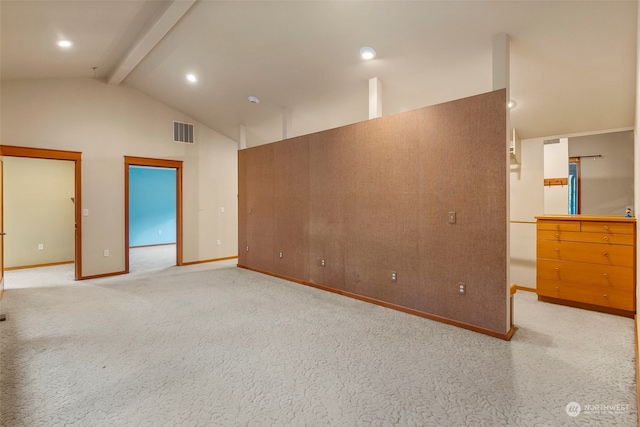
<point>573,63</point>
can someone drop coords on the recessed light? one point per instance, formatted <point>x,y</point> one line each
<point>254,100</point>
<point>64,43</point>
<point>192,78</point>
<point>511,104</point>
<point>367,52</point>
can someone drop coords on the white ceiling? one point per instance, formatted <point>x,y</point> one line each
<point>573,63</point>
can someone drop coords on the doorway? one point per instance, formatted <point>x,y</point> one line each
<point>76,158</point>
<point>574,186</point>
<point>153,240</point>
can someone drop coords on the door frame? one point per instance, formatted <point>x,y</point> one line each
<point>74,156</point>
<point>158,163</point>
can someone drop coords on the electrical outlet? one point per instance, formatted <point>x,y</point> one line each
<point>462,289</point>
<point>322,262</point>
<point>452,217</point>
<point>105,253</point>
<point>247,248</point>
<point>394,276</point>
<point>280,254</point>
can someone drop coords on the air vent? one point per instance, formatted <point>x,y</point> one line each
<point>183,132</point>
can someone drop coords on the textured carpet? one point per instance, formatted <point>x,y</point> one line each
<point>214,345</point>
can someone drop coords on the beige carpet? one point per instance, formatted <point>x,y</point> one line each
<point>214,345</point>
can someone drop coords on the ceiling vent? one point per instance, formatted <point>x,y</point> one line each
<point>182,132</point>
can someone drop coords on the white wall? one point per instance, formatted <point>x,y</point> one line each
<point>527,201</point>
<point>606,183</point>
<point>38,209</point>
<point>106,123</point>
<point>556,165</point>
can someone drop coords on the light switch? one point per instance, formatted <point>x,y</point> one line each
<point>41,246</point>
<point>221,210</point>
<point>85,212</point>
<point>452,217</point>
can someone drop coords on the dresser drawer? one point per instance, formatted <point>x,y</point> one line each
<point>594,253</point>
<point>552,225</point>
<point>608,227</point>
<point>593,274</point>
<point>588,294</point>
<point>575,236</point>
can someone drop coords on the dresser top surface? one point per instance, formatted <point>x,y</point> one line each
<point>560,217</point>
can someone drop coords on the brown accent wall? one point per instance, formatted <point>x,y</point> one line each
<point>374,197</point>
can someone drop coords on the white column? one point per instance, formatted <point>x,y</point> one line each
<point>242,137</point>
<point>636,154</point>
<point>501,81</point>
<point>501,62</point>
<point>375,98</point>
<point>287,124</point>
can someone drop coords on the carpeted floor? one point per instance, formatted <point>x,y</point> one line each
<point>214,345</point>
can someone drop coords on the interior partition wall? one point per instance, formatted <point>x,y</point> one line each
<point>399,210</point>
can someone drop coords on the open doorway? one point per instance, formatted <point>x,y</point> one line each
<point>153,214</point>
<point>54,244</point>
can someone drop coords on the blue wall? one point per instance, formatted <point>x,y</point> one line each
<point>152,206</point>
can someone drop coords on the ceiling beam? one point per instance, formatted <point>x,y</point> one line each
<point>150,39</point>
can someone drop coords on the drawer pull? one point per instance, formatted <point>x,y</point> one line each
<point>605,254</point>
<point>557,289</point>
<point>557,236</point>
<point>606,238</point>
<point>557,250</point>
<point>606,296</point>
<point>557,226</point>
<point>606,227</point>
<point>557,269</point>
<point>605,275</point>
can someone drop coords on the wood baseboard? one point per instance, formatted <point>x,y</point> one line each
<point>584,306</point>
<point>209,260</point>
<point>98,276</point>
<point>154,244</point>
<point>504,336</point>
<point>49,264</point>
<point>117,273</point>
<point>526,289</point>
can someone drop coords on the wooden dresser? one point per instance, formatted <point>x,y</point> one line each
<point>588,262</point>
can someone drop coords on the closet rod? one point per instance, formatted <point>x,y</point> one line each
<point>594,156</point>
